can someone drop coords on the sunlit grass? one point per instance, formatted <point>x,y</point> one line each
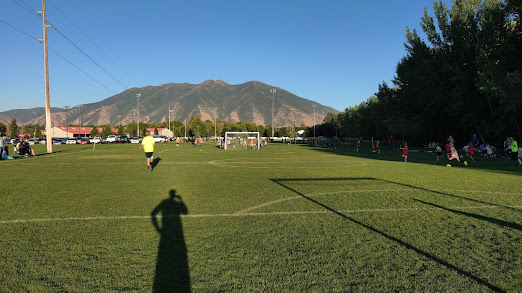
<point>285,218</point>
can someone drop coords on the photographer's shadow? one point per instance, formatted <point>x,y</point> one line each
<point>172,271</point>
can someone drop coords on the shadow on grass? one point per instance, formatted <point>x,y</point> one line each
<point>172,271</point>
<point>421,157</point>
<point>281,182</point>
<point>475,216</point>
<point>155,162</point>
<point>450,195</point>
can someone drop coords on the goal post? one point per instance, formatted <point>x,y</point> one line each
<point>242,140</point>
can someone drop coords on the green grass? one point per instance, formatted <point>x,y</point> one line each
<point>284,219</point>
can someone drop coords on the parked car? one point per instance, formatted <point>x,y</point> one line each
<point>135,139</point>
<point>33,141</point>
<point>59,140</point>
<point>15,140</point>
<point>123,139</point>
<point>94,140</point>
<point>112,138</point>
<point>84,140</point>
<point>159,138</point>
<point>71,140</point>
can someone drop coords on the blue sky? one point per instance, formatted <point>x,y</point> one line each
<point>335,52</point>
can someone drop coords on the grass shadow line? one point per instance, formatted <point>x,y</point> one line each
<point>387,236</point>
<point>475,216</point>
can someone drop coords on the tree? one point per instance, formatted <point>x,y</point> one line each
<point>120,130</point>
<point>107,130</point>
<point>13,127</point>
<point>94,132</point>
<point>156,131</point>
<point>3,129</point>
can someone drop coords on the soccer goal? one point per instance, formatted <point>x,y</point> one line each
<point>242,141</point>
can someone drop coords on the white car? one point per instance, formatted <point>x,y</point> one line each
<point>94,140</point>
<point>71,140</point>
<point>158,138</point>
<point>135,139</point>
<point>112,138</point>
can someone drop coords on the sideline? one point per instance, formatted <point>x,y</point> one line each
<point>231,165</point>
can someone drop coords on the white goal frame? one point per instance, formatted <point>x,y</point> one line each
<point>249,135</point>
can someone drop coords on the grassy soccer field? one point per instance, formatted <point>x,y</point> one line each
<point>286,218</point>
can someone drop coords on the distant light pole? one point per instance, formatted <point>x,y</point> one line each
<point>169,122</point>
<point>273,91</point>
<point>138,110</point>
<point>119,116</point>
<point>80,120</point>
<point>215,123</point>
<point>314,106</point>
<point>67,120</point>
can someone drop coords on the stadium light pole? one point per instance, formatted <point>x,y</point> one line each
<point>67,120</point>
<point>138,110</point>
<point>80,120</point>
<point>215,123</point>
<point>171,131</point>
<point>314,106</point>
<point>273,91</point>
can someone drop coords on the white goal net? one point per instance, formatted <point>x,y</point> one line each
<point>242,141</point>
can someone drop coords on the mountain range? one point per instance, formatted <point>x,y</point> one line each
<point>250,101</point>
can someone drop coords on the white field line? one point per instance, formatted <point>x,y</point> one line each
<point>251,214</point>
<point>310,165</point>
<point>310,195</point>
<point>352,191</point>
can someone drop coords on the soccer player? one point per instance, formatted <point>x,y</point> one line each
<point>471,152</point>
<point>438,151</point>
<point>377,148</point>
<point>454,155</point>
<point>405,152</point>
<point>148,144</point>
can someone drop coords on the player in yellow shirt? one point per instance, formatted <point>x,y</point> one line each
<point>148,144</point>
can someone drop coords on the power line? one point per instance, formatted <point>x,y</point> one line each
<point>34,12</point>
<point>12,26</point>
<point>81,71</point>
<point>27,7</point>
<point>57,54</point>
<point>85,35</point>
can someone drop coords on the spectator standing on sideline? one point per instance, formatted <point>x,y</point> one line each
<point>148,144</point>
<point>514,149</point>
<point>390,142</point>
<point>357,145</point>
<point>474,141</point>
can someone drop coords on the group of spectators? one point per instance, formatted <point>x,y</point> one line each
<point>22,148</point>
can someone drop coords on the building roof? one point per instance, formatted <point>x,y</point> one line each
<point>82,130</point>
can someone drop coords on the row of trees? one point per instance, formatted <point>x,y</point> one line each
<point>466,79</point>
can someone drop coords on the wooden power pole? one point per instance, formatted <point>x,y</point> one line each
<point>48,126</point>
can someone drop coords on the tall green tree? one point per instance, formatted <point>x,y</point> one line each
<point>94,132</point>
<point>13,128</point>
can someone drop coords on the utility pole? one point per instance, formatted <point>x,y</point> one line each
<point>67,120</point>
<point>48,135</point>
<point>185,127</point>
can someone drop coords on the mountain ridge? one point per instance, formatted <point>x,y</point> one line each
<point>250,101</point>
